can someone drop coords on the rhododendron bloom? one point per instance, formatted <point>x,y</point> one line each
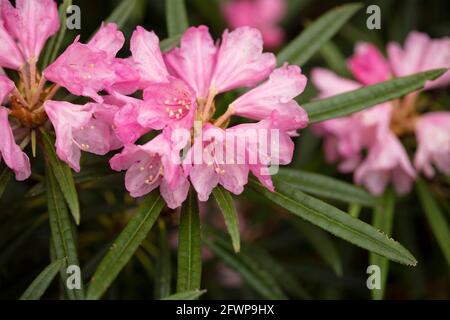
<point>180,87</point>
<point>261,14</point>
<point>30,24</point>
<point>86,69</point>
<point>433,137</point>
<point>377,130</point>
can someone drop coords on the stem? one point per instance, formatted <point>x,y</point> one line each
<point>211,95</point>
<point>223,118</point>
<point>19,97</point>
<point>32,65</point>
<point>38,92</point>
<point>52,92</point>
<point>26,84</point>
<point>33,143</point>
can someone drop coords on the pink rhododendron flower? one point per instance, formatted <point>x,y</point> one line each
<point>86,69</point>
<point>151,166</point>
<point>30,24</point>
<point>376,130</point>
<point>82,127</point>
<point>421,53</point>
<point>264,15</point>
<point>433,137</point>
<point>180,86</point>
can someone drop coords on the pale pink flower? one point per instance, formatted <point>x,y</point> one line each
<point>215,167</point>
<point>10,55</point>
<point>368,65</point>
<point>433,138</point>
<point>31,23</point>
<point>264,15</point>
<point>151,166</point>
<point>82,128</point>
<point>421,53</point>
<point>86,69</point>
<point>387,162</point>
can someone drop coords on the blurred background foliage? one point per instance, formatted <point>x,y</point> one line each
<point>289,257</point>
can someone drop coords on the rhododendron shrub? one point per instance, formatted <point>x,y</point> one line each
<point>121,148</point>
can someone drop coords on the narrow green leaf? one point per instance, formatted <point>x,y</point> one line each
<point>256,275</point>
<point>334,59</point>
<point>354,210</point>
<point>186,295</point>
<point>336,222</point>
<point>435,218</point>
<point>62,234</point>
<point>63,176</point>
<point>42,281</point>
<point>382,219</point>
<point>125,245</point>
<point>226,205</point>
<point>55,42</point>
<point>357,100</point>
<point>163,277</point>
<point>121,13</point>
<point>176,16</point>
<point>169,43</point>
<point>324,186</point>
<point>307,43</point>
<point>322,243</point>
<point>5,177</point>
<point>189,246</point>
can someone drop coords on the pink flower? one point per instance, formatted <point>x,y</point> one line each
<point>421,53</point>
<point>241,61</point>
<point>31,24</point>
<point>433,137</point>
<point>368,65</point>
<point>386,162</point>
<point>210,162</point>
<point>261,14</point>
<point>155,164</point>
<point>277,93</point>
<point>82,127</point>
<point>86,69</point>
<point>10,55</point>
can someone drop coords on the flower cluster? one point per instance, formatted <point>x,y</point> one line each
<point>171,94</point>
<point>265,15</point>
<point>368,142</point>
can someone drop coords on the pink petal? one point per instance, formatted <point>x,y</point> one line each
<point>368,65</point>
<point>175,198</point>
<point>10,55</point>
<point>10,152</point>
<point>194,61</point>
<point>204,179</point>
<point>108,39</point>
<point>329,84</point>
<point>31,23</point>
<point>127,126</point>
<point>147,56</point>
<point>67,118</point>
<point>241,61</point>
<point>6,86</point>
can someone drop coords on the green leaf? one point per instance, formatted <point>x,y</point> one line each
<point>125,245</point>
<point>63,176</point>
<point>382,219</point>
<point>189,246</point>
<point>435,218</point>
<point>42,281</point>
<point>61,230</point>
<point>357,100</point>
<point>176,16</point>
<point>226,205</point>
<point>55,42</point>
<point>335,59</point>
<point>323,186</point>
<point>163,264</point>
<point>336,222</point>
<point>307,43</point>
<point>169,43</point>
<point>256,275</point>
<point>186,295</point>
<point>5,177</point>
<point>322,243</point>
<point>121,13</point>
